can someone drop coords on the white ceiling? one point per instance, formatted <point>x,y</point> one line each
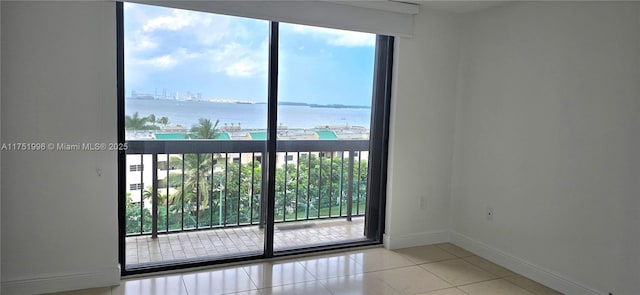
<point>458,6</point>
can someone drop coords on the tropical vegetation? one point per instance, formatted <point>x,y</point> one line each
<point>212,190</point>
<point>135,122</point>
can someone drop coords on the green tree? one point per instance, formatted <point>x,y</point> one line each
<point>195,192</point>
<point>164,121</point>
<point>135,220</point>
<point>318,186</point>
<point>242,189</point>
<point>136,122</point>
<point>205,129</point>
<point>217,191</point>
<point>152,119</point>
<point>194,188</point>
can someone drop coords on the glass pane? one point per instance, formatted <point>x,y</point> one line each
<point>325,89</point>
<point>199,80</point>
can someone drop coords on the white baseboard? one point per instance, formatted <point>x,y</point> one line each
<point>411,240</point>
<point>60,282</point>
<point>521,266</point>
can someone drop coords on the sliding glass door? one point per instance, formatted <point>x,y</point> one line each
<point>324,113</point>
<point>246,138</point>
<point>194,114</point>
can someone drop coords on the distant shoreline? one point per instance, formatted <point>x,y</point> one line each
<point>331,106</point>
<point>287,103</point>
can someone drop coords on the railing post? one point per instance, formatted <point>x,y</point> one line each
<point>350,187</point>
<point>263,190</point>
<point>154,196</point>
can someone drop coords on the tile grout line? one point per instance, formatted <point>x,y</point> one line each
<point>184,284</point>
<point>370,273</point>
<point>487,280</point>
<point>324,286</point>
<point>399,291</point>
<point>452,285</point>
<point>499,276</point>
<point>392,288</point>
<point>461,290</point>
<point>487,270</point>
<point>249,276</point>
<point>413,264</point>
<point>484,281</point>
<point>451,252</point>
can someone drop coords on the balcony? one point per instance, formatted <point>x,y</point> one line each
<point>206,199</point>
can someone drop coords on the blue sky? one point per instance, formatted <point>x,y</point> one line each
<point>225,57</point>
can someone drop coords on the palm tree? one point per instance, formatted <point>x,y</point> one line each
<point>147,195</point>
<point>196,189</point>
<point>198,169</point>
<point>152,119</point>
<point>205,129</point>
<point>136,122</point>
<point>164,121</point>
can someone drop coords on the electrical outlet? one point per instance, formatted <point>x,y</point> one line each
<point>489,213</point>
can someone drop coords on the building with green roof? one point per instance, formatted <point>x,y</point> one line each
<point>258,135</point>
<point>171,136</point>
<point>326,135</point>
<point>183,136</point>
<point>223,136</point>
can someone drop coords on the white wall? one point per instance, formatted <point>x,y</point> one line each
<point>421,135</point>
<point>547,134</point>
<point>59,216</point>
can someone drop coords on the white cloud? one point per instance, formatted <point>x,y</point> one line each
<point>338,37</point>
<point>207,28</point>
<point>184,53</point>
<point>178,20</point>
<point>161,62</point>
<point>245,67</point>
<point>232,59</point>
<point>237,60</point>
<point>224,43</point>
<point>141,42</point>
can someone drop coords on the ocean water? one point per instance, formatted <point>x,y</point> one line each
<point>250,116</point>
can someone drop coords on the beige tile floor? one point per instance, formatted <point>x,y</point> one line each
<point>442,269</point>
<point>230,241</point>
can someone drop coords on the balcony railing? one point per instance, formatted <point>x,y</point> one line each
<point>215,184</point>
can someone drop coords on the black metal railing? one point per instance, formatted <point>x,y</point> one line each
<point>203,184</point>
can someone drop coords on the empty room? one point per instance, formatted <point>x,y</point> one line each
<point>320,147</point>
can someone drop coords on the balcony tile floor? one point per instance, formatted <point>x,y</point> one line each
<point>238,240</point>
<point>419,270</point>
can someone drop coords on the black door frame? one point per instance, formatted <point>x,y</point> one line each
<point>376,186</point>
